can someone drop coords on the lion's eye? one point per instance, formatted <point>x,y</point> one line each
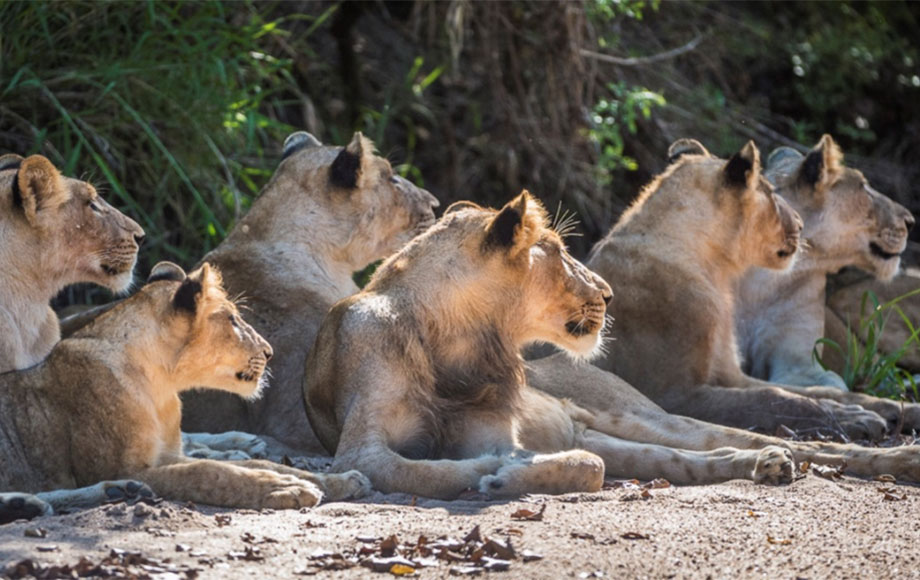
<point>95,207</point>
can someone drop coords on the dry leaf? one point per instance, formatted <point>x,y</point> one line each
<point>401,570</point>
<point>634,536</point>
<point>781,542</point>
<point>657,484</point>
<point>529,556</point>
<point>528,515</point>
<point>582,536</point>
<point>885,478</point>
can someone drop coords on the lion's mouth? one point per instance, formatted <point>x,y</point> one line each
<point>246,376</point>
<point>579,329</point>
<point>879,252</point>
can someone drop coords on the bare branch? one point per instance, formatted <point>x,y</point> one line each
<point>641,60</point>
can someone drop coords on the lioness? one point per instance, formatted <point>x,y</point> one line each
<point>674,259</point>
<point>104,404</point>
<point>780,315</point>
<point>417,381</point>
<point>327,212</point>
<point>55,231</point>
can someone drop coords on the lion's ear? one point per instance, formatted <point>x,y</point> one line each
<point>517,225</point>
<point>297,141</point>
<point>683,147</point>
<point>166,271</point>
<point>463,204</point>
<point>822,164</point>
<point>743,169</point>
<point>10,161</point>
<point>39,185</point>
<point>348,168</point>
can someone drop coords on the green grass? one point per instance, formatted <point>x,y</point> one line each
<point>867,368</point>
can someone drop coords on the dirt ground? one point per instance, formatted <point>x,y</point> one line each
<point>814,528</point>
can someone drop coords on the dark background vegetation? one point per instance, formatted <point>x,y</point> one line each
<point>177,110</point>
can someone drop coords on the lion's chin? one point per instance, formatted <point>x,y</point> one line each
<point>117,278</point>
<point>586,347</point>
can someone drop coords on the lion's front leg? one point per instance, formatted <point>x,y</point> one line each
<point>228,485</point>
<point>555,473</point>
<point>336,486</point>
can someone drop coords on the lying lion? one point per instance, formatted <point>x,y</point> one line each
<point>418,383</point>
<point>780,315</point>
<point>327,212</point>
<point>674,259</point>
<point>104,405</point>
<point>56,231</point>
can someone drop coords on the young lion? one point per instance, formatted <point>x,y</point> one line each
<point>105,405</point>
<point>675,257</point>
<point>417,381</point>
<point>56,231</point>
<point>780,316</point>
<point>327,212</point>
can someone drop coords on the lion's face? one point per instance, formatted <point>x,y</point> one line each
<point>568,301</point>
<point>220,350</point>
<point>346,199</point>
<point>847,222</point>
<point>83,237</point>
<point>736,203</point>
<point>509,265</point>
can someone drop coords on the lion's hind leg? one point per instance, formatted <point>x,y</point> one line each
<point>771,465</point>
<point>554,473</point>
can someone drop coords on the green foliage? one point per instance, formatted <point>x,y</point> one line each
<point>866,367</point>
<point>613,115</point>
<point>170,103</point>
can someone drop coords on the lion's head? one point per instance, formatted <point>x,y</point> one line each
<point>346,198</point>
<point>508,268</point>
<point>726,205</point>
<point>61,227</point>
<point>847,222</point>
<point>207,342</point>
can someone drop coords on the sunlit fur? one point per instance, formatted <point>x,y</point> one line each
<point>292,257</point>
<point>847,223</point>
<point>424,363</point>
<point>59,232</point>
<point>109,406</point>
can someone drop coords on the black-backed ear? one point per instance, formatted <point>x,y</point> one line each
<point>346,169</point>
<point>40,186</point>
<point>463,204</point>
<point>504,229</point>
<point>10,161</point>
<point>683,147</point>
<point>166,271</point>
<point>781,154</point>
<point>743,169</point>
<point>298,141</point>
<point>821,164</point>
<point>191,290</point>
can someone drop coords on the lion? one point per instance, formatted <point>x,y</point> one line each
<point>674,259</point>
<point>327,212</point>
<point>418,382</point>
<point>56,231</point>
<point>104,405</point>
<point>780,315</point>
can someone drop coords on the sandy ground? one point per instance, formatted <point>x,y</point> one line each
<point>814,528</point>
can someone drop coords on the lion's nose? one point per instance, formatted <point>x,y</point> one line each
<point>139,239</point>
<point>909,221</point>
<point>607,298</point>
<point>268,354</point>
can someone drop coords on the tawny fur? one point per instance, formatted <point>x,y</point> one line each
<point>674,260</point>
<point>55,231</point>
<point>291,258</point>
<point>780,315</point>
<point>105,403</point>
<point>418,383</point>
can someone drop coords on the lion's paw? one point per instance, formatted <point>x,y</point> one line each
<point>228,446</point>
<point>342,486</point>
<point>857,422</point>
<point>286,492</point>
<point>775,466</point>
<point>22,506</point>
